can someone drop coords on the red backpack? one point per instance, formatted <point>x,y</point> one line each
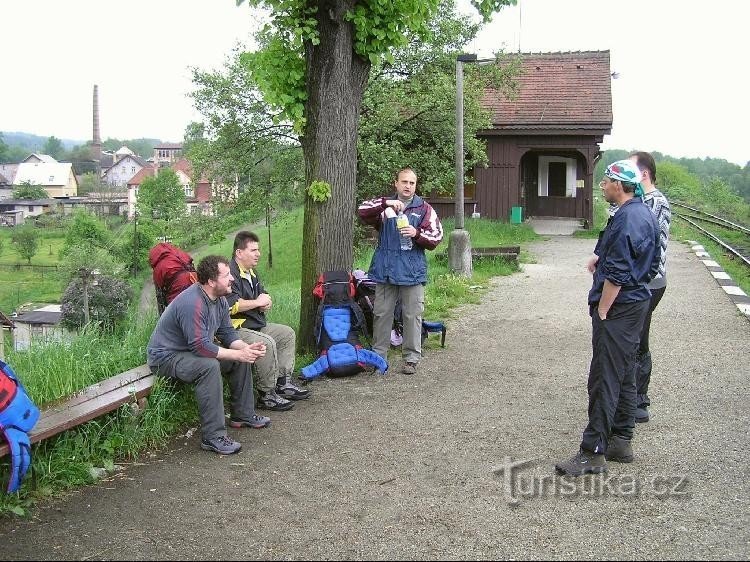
<point>173,272</point>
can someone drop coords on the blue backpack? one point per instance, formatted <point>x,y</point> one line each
<point>338,323</point>
<point>18,415</point>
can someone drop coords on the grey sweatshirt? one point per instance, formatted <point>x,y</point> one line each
<point>190,323</point>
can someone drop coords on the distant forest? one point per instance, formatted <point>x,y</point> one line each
<point>15,146</point>
<point>706,170</point>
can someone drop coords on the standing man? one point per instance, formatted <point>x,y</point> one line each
<point>659,205</point>
<point>182,347</point>
<point>248,304</point>
<point>628,258</point>
<point>399,265</point>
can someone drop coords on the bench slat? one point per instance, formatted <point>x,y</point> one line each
<point>65,415</point>
<point>97,389</point>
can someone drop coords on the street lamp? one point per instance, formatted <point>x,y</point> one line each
<point>459,242</point>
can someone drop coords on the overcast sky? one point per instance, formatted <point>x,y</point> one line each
<point>682,64</point>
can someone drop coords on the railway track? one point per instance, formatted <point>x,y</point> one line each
<point>742,253</point>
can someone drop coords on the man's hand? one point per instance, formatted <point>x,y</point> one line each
<point>250,352</point>
<point>263,302</point>
<point>408,231</point>
<point>591,264</point>
<point>395,204</point>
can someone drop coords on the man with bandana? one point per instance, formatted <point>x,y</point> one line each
<point>628,258</point>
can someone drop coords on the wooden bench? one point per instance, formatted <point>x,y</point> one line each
<point>504,252</point>
<point>91,402</point>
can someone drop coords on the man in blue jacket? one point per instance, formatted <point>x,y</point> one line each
<point>628,258</point>
<point>399,265</point>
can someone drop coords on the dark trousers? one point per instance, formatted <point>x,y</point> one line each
<point>205,374</point>
<point>611,382</point>
<point>643,357</point>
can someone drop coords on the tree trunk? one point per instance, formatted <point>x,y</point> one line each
<point>336,79</point>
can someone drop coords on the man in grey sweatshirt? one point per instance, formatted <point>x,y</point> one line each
<point>183,346</point>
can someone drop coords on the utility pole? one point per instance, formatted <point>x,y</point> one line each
<point>459,242</point>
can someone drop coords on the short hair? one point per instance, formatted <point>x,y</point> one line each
<point>208,268</point>
<point>407,169</point>
<point>242,238</point>
<point>645,163</point>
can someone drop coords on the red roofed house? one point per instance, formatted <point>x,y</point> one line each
<point>543,145</point>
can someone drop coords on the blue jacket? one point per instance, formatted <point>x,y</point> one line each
<point>390,264</point>
<point>629,253</point>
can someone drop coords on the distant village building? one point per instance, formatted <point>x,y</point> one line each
<point>39,326</point>
<point>167,154</point>
<point>57,178</point>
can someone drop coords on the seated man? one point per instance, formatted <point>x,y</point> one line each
<point>249,302</point>
<point>182,347</point>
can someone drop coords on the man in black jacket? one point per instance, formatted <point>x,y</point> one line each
<point>248,304</point>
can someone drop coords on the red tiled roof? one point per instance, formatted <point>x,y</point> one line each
<point>557,91</point>
<point>141,175</point>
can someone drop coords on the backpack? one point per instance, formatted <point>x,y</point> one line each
<point>173,272</point>
<point>338,324</point>
<point>365,298</point>
<point>18,415</point>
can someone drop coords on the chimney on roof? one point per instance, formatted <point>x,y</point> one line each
<point>96,144</point>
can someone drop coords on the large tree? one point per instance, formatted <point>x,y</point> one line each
<point>313,64</point>
<point>54,147</point>
<point>161,201</point>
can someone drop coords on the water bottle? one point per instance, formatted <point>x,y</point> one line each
<point>401,222</point>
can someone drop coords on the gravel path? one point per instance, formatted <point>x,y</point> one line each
<point>411,467</point>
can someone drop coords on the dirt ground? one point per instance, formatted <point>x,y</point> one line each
<point>422,466</point>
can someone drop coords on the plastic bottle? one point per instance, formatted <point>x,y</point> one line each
<point>401,222</point>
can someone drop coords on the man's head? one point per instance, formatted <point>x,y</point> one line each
<point>406,184</point>
<point>247,249</point>
<point>213,274</point>
<point>646,165</point>
<point>621,182</point>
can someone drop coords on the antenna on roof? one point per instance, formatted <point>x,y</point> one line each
<point>520,7</point>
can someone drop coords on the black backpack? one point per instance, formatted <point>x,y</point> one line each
<point>338,326</point>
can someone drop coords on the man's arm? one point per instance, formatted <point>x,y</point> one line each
<point>609,294</point>
<point>429,233</point>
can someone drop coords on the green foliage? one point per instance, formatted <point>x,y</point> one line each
<point>28,190</point>
<point>54,147</point>
<point>90,183</point>
<point>26,241</point>
<point>108,300</point>
<point>240,135</point>
<point>408,111</point>
<point>320,191</point>
<point>132,249</point>
<point>161,200</point>
<point>86,231</point>
<point>278,67</point>
<point>83,256</point>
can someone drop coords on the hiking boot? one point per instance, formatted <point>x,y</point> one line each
<point>641,414</point>
<point>409,368</point>
<point>256,422</point>
<point>224,445</point>
<point>619,450</point>
<point>272,401</point>
<point>291,391</point>
<point>582,463</point>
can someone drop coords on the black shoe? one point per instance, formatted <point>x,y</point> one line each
<point>291,391</point>
<point>619,450</point>
<point>582,463</point>
<point>641,414</point>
